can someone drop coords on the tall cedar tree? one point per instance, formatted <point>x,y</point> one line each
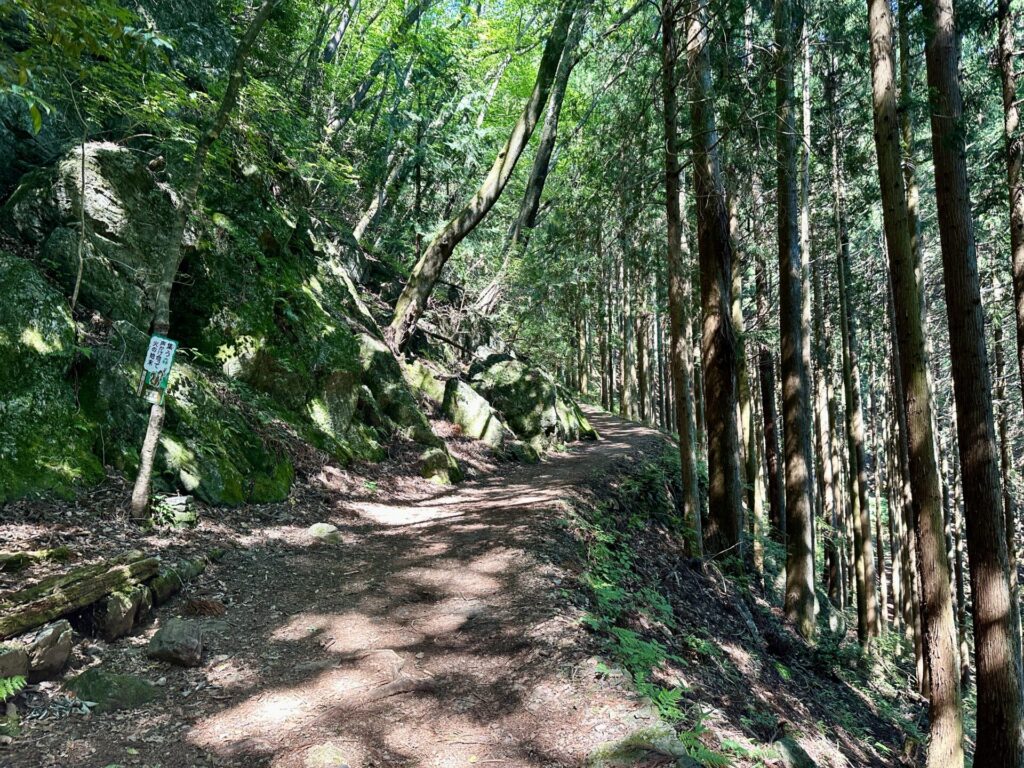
<point>945,715</point>
<point>678,285</point>
<point>1000,735</point>
<point>799,600</point>
<point>718,341</point>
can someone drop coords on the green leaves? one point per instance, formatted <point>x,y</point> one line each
<point>9,686</point>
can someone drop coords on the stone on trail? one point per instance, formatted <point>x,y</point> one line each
<point>326,755</point>
<point>10,723</point>
<point>13,661</point>
<point>437,466</point>
<point>119,611</point>
<point>49,650</point>
<point>324,532</point>
<point>178,642</point>
<point>110,691</point>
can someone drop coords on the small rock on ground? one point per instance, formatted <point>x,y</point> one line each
<point>325,755</point>
<point>178,642</point>
<point>324,532</point>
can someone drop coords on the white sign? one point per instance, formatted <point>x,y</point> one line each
<point>160,355</point>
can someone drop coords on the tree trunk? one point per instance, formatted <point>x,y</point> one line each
<point>1000,741</point>
<point>766,374</point>
<point>857,477</point>
<point>912,586</point>
<point>63,594</point>
<point>172,259</point>
<point>718,342</point>
<point>799,599</point>
<point>331,49</point>
<point>826,475</point>
<point>1008,48</point>
<point>678,285</point>
<point>518,235</point>
<point>1006,467</point>
<point>883,580</point>
<point>427,271</point>
<point>936,615</point>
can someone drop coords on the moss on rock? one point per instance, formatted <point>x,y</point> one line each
<point>45,441</point>
<point>537,409</point>
<point>467,408</point>
<point>111,691</point>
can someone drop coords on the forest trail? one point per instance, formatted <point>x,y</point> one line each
<point>432,632</point>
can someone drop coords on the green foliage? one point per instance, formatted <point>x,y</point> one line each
<point>9,686</point>
<point>624,603</point>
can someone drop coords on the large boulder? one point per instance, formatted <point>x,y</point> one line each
<point>537,409</point>
<point>129,221</point>
<point>467,408</point>
<point>45,440</point>
<point>382,376</point>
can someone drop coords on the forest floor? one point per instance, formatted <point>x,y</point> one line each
<point>442,627</point>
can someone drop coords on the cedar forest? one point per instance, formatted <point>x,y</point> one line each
<point>784,238</point>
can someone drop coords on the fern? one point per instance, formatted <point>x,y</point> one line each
<point>9,686</point>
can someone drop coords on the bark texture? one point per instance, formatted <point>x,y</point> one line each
<point>718,341</point>
<point>1000,739</point>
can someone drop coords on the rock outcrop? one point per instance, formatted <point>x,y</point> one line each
<point>535,406</point>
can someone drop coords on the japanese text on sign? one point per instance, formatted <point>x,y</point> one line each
<point>160,355</point>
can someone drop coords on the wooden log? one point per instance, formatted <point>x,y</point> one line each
<point>66,593</point>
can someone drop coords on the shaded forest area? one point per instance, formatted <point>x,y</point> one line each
<point>788,235</point>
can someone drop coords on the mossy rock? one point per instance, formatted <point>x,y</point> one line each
<point>210,448</point>
<point>436,465</point>
<point>45,440</point>
<point>129,227</point>
<point>423,379</point>
<point>538,410</point>
<point>112,691</point>
<point>467,408</point>
<point>382,375</point>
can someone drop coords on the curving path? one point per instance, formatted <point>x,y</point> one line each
<point>432,633</point>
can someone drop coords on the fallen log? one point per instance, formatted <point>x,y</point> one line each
<point>66,593</point>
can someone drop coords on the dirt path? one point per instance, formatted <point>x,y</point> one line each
<point>432,633</point>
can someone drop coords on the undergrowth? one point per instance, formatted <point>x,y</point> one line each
<point>628,614</point>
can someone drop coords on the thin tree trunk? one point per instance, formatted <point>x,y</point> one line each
<point>1006,466</point>
<point>863,558</point>
<point>1007,50</point>
<point>358,97</point>
<point>718,342</point>
<point>518,235</point>
<point>331,49</point>
<point>427,271</point>
<point>799,598</point>
<point>883,578</point>
<point>766,374</point>
<point>172,259</point>
<point>678,285</point>
<point>1000,740</point>
<point>826,477</point>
